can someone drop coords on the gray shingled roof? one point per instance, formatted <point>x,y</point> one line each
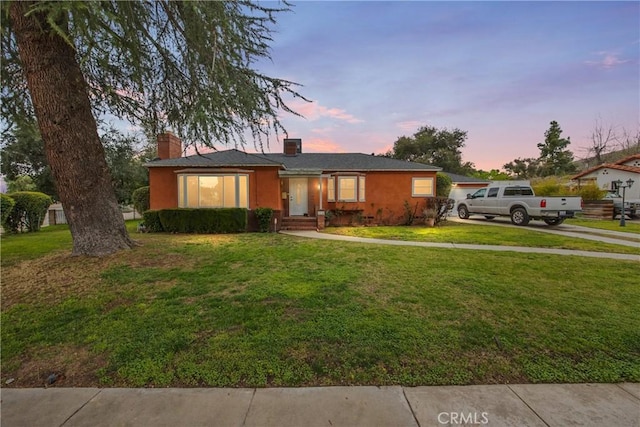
<point>231,157</point>
<point>304,161</point>
<point>466,179</point>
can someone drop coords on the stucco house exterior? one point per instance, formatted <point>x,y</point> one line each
<point>300,187</point>
<point>605,174</point>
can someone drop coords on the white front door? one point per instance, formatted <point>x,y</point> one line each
<point>298,197</point>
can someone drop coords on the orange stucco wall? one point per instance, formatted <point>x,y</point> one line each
<point>264,187</point>
<point>385,193</point>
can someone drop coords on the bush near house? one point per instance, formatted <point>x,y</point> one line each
<point>264,216</point>
<point>202,221</point>
<point>140,199</point>
<point>151,221</point>
<point>6,206</point>
<point>29,211</point>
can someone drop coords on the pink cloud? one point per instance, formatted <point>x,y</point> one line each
<point>410,126</point>
<point>314,111</point>
<point>321,145</point>
<point>607,61</point>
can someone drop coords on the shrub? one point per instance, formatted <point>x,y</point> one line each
<point>264,216</point>
<point>409,213</point>
<point>224,220</point>
<point>151,221</point>
<point>443,185</point>
<point>28,212</point>
<point>140,198</point>
<point>6,206</point>
<point>438,208</point>
<point>551,186</point>
<point>591,192</point>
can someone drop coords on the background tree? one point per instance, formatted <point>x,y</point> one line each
<point>188,64</point>
<point>437,147</point>
<point>554,158</point>
<point>523,168</point>
<point>492,175</point>
<point>125,159</point>
<point>25,165</point>
<point>23,157</point>
<point>603,139</point>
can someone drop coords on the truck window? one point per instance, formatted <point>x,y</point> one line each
<point>493,192</point>
<point>479,193</point>
<point>518,191</point>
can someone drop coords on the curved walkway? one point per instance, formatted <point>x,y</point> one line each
<point>525,249</point>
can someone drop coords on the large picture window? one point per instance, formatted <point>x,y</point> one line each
<point>422,187</point>
<point>213,191</point>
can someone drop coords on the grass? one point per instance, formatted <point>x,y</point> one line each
<point>274,310</point>
<point>456,232</point>
<point>613,225</point>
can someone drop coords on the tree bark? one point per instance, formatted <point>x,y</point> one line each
<point>60,98</point>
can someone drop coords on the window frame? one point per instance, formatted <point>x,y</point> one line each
<point>355,189</point>
<point>422,178</point>
<point>184,194</point>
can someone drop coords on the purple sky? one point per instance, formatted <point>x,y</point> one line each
<point>499,70</point>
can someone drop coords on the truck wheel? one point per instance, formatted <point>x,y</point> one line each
<point>554,221</point>
<point>463,212</point>
<point>519,216</point>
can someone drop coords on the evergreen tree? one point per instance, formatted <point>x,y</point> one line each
<point>184,65</point>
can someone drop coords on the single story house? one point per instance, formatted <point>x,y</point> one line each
<point>605,174</point>
<point>300,187</point>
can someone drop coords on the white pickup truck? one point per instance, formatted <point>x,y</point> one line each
<point>520,203</point>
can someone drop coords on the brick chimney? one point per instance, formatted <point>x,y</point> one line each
<point>169,146</point>
<point>292,146</point>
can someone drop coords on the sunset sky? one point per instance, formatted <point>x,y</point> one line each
<point>502,71</point>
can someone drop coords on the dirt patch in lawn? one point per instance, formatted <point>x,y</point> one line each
<point>58,366</point>
<point>54,278</point>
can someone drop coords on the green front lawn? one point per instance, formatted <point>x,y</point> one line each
<point>274,310</point>
<point>606,224</point>
<point>474,233</point>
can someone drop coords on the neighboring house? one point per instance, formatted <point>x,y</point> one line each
<point>605,174</point>
<point>295,184</point>
<point>462,185</point>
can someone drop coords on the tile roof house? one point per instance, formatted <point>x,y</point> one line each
<point>300,187</point>
<point>605,174</point>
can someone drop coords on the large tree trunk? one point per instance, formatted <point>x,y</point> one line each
<point>60,98</point>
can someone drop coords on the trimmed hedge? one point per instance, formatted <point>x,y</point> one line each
<point>6,206</point>
<point>185,220</point>
<point>151,221</point>
<point>29,211</point>
<point>140,199</point>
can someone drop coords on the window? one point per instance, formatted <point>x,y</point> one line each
<point>518,191</point>
<point>347,188</point>
<point>493,192</point>
<point>478,194</point>
<point>213,191</point>
<point>331,189</point>
<point>422,187</point>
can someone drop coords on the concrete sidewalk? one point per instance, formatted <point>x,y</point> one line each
<point>490,405</point>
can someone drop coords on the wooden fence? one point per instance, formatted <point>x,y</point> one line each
<point>598,209</point>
